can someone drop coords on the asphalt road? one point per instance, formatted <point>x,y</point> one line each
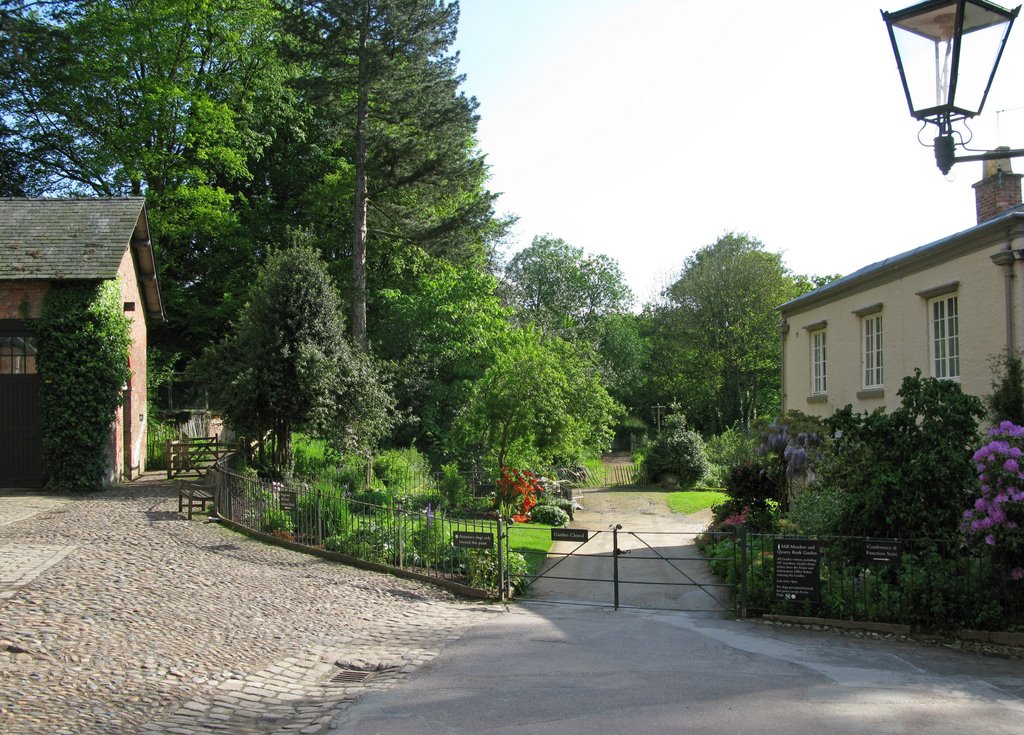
<point>579,667</point>
<point>547,668</point>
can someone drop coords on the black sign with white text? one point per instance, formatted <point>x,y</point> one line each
<point>569,534</point>
<point>881,551</point>
<point>798,569</point>
<point>472,540</point>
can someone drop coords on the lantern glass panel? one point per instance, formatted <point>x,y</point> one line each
<point>926,44</point>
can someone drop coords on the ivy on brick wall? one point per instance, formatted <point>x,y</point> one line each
<point>84,339</point>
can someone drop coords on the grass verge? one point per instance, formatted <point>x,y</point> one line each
<point>692,501</point>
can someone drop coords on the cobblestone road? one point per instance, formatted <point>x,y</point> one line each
<point>118,616</point>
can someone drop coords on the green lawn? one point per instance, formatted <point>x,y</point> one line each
<point>691,501</point>
<point>531,540</point>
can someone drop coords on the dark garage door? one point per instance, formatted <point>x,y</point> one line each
<point>21,444</point>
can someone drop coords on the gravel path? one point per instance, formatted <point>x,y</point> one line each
<point>118,616</point>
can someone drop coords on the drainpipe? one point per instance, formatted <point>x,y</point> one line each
<point>783,332</point>
<point>1005,259</point>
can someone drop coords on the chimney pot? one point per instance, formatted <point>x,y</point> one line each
<point>999,190</point>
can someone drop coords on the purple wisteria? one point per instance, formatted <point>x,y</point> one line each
<point>999,509</point>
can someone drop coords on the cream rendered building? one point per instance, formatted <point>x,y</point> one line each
<point>948,308</point>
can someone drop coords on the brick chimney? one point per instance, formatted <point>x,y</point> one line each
<point>999,190</point>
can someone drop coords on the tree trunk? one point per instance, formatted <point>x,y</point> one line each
<point>359,216</point>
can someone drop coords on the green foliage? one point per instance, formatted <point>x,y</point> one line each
<point>908,473</point>
<point>403,471</point>
<point>716,334</point>
<point>84,339</point>
<point>677,451</point>
<point>1006,403</point>
<point>442,330</point>
<point>453,486</point>
<point>818,510</point>
<point>549,515</point>
<point>482,569</point>
<point>727,449</point>
<point>289,365</point>
<point>562,291</point>
<point>538,405</point>
<point>276,521</point>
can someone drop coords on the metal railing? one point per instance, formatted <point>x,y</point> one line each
<point>927,584</point>
<point>415,542</point>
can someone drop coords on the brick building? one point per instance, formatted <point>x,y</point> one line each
<point>45,241</point>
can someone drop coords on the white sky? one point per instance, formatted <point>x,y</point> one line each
<point>645,129</point>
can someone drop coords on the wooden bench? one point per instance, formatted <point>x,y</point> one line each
<point>196,494</point>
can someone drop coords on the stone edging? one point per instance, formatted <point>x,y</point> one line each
<point>1000,638</point>
<point>887,628</point>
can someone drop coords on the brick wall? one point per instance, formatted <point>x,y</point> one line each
<point>15,294</point>
<point>127,450</point>
<point>998,191</point>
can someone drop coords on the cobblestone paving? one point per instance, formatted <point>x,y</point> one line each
<point>149,624</point>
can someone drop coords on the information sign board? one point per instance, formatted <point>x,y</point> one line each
<point>798,569</point>
<point>472,539</point>
<point>287,500</point>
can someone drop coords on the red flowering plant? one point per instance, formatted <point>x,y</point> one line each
<point>517,494</point>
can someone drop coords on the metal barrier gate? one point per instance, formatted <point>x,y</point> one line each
<point>660,570</point>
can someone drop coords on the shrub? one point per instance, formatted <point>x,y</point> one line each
<point>728,449</point>
<point>401,470</point>
<point>751,484</point>
<point>677,451</point>
<point>908,473</point>
<point>818,510</point>
<point>1006,403</point>
<point>277,520</point>
<point>549,515</point>
<point>453,486</point>
<point>997,514</point>
<point>369,500</point>
<point>482,569</point>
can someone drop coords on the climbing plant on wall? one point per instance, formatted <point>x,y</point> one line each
<point>84,339</point>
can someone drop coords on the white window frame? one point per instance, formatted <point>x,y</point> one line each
<point>944,336</point>
<point>872,356</point>
<point>819,362</point>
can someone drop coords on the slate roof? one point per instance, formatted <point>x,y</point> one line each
<point>65,239</point>
<point>946,246</point>
<point>77,239</point>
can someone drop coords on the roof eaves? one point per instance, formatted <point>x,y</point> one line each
<point>883,269</point>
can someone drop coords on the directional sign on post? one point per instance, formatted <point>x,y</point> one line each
<point>472,540</point>
<point>881,551</point>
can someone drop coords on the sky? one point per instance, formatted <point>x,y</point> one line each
<point>646,129</point>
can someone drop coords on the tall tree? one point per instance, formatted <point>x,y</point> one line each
<point>382,75</point>
<point>170,99</point>
<point>717,333</point>
<point>563,291</point>
<point>287,365</point>
<point>539,403</point>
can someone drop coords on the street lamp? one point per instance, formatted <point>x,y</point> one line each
<point>947,52</point>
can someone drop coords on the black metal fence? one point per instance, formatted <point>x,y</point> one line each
<point>927,584</point>
<point>420,542</point>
